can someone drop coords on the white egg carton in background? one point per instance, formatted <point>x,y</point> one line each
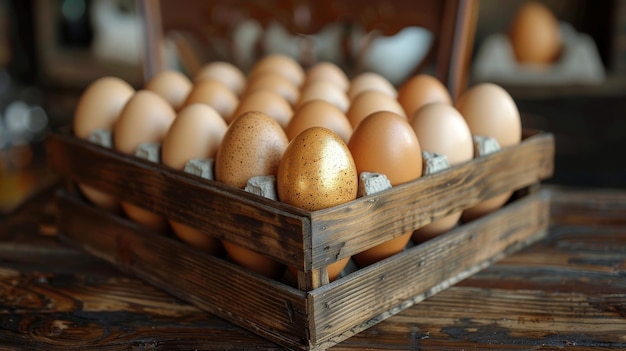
<point>579,62</point>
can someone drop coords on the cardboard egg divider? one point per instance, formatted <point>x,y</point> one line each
<point>318,314</point>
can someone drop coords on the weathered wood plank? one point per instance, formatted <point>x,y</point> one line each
<point>351,304</point>
<point>225,212</point>
<point>347,229</point>
<point>272,309</point>
<point>305,240</point>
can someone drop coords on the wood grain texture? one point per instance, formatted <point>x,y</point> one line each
<point>301,239</point>
<point>328,314</point>
<point>567,291</point>
<point>260,304</point>
<point>392,285</point>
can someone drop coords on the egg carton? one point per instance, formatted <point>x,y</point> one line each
<point>309,312</point>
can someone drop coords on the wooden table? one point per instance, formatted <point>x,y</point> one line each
<point>567,291</point>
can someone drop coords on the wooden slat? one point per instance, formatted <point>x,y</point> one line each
<point>262,225</point>
<point>302,239</point>
<point>351,304</point>
<point>347,229</point>
<point>269,308</point>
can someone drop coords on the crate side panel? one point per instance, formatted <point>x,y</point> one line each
<point>219,210</point>
<point>372,294</point>
<point>351,228</point>
<point>264,306</point>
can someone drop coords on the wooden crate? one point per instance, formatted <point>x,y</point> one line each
<point>316,314</point>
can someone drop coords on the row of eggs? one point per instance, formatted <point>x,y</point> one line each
<point>314,130</point>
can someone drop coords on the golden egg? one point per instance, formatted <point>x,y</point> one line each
<point>317,171</point>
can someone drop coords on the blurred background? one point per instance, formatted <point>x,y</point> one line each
<point>50,50</point>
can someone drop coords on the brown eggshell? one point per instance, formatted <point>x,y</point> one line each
<point>535,35</point>
<point>490,111</point>
<point>276,83</point>
<point>322,90</point>
<point>371,81</point>
<point>316,172</point>
<point>319,113</point>
<point>253,145</point>
<point>145,118</point>
<point>422,90</point>
<point>173,86</point>
<point>214,94</point>
<point>281,64</point>
<point>441,129</point>
<point>369,102</point>
<point>100,105</point>
<point>98,108</point>
<point>224,72</point>
<point>385,143</point>
<point>196,133</point>
<point>328,72</point>
<point>267,102</point>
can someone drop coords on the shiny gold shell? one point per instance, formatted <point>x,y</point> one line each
<point>317,171</point>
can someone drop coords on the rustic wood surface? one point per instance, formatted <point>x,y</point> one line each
<point>295,237</point>
<point>567,291</point>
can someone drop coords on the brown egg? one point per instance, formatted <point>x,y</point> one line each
<point>253,145</point>
<point>196,133</point>
<point>369,102</point>
<point>441,129</point>
<point>98,108</point>
<point>385,143</point>
<point>276,83</point>
<point>316,172</point>
<point>100,105</point>
<point>421,90</point>
<point>490,111</point>
<point>322,90</point>
<point>224,72</point>
<point>173,86</point>
<point>281,64</point>
<point>319,113</point>
<point>370,81</point>
<point>145,118</point>
<point>214,94</point>
<point>535,34</point>
<point>267,102</point>
<point>328,72</point>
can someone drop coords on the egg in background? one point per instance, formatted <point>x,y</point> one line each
<point>281,64</point>
<point>328,72</point>
<point>253,145</point>
<point>173,86</point>
<point>421,90</point>
<point>441,129</point>
<point>385,143</point>
<point>276,83</point>
<point>215,94</point>
<point>317,171</point>
<point>324,90</point>
<point>99,107</point>
<point>196,133</point>
<point>535,35</point>
<point>490,111</point>
<point>319,113</point>
<point>267,102</point>
<point>145,118</point>
<point>370,81</point>
<point>369,102</point>
<point>224,72</point>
